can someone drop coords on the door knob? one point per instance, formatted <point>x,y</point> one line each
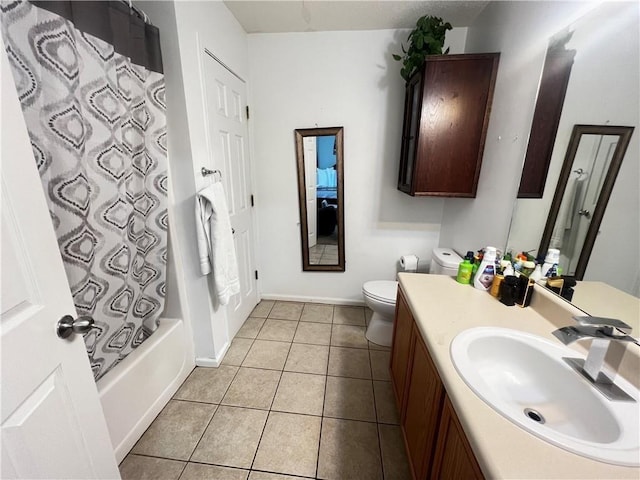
<point>67,325</point>
<point>584,213</point>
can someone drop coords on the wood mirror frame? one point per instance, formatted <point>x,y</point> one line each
<point>303,201</point>
<point>624,134</point>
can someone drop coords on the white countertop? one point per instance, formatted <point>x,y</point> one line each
<point>443,308</point>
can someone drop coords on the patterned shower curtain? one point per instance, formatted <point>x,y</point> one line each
<point>90,82</point>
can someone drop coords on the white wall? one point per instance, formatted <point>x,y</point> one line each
<point>187,27</point>
<point>520,31</point>
<point>324,79</point>
<point>603,89</point>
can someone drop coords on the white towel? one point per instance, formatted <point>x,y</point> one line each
<point>215,241</point>
<point>566,212</point>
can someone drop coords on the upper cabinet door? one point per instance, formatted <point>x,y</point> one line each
<point>449,117</point>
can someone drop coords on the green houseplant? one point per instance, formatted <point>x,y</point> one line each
<point>426,39</point>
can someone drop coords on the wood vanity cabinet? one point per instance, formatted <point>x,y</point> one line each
<point>434,440</point>
<point>447,106</point>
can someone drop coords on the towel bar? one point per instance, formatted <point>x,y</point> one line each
<point>206,171</point>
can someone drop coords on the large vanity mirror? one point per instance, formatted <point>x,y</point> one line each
<point>589,210</point>
<point>320,163</point>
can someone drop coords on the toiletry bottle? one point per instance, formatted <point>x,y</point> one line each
<point>465,269</point>
<point>527,267</point>
<point>553,256</point>
<point>536,274</point>
<point>486,270</point>
<point>553,271</point>
<point>508,270</point>
<point>495,285</point>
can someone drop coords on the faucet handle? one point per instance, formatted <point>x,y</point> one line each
<point>588,320</point>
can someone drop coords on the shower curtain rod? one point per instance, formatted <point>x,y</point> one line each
<point>137,11</point>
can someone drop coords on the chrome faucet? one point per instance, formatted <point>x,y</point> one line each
<point>603,331</point>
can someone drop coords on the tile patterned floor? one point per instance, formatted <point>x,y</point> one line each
<point>300,393</point>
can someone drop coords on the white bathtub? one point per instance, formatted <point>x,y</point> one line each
<point>136,390</point>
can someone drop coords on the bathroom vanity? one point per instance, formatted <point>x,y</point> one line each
<point>449,431</point>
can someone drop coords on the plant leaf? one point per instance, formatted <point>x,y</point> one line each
<point>396,57</point>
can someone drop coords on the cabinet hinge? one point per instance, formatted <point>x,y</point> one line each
<point>252,201</point>
<point>256,272</point>
<point>247,108</point>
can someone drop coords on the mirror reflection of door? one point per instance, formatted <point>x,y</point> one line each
<point>590,167</point>
<point>588,175</point>
<point>320,189</point>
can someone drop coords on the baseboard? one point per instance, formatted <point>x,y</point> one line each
<point>212,362</point>
<point>311,299</point>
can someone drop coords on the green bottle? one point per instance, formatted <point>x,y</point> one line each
<point>465,270</point>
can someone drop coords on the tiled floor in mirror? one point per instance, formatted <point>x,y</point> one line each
<point>300,393</point>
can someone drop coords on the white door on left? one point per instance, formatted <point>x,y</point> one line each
<point>52,423</point>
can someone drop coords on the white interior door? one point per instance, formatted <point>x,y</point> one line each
<point>310,171</point>
<point>52,422</point>
<point>228,140</point>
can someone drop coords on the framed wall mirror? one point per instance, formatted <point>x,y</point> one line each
<point>602,91</point>
<point>320,161</point>
<point>588,174</point>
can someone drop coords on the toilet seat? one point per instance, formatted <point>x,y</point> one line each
<point>384,291</point>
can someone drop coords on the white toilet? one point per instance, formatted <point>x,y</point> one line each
<point>380,296</point>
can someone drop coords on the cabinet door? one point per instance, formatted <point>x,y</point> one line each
<point>401,347</point>
<point>424,400</point>
<point>456,100</point>
<point>453,458</point>
<point>412,106</point>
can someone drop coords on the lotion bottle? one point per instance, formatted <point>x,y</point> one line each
<point>486,270</point>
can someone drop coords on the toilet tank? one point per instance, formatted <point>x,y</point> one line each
<point>444,261</point>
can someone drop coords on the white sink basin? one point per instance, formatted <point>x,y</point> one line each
<point>524,378</point>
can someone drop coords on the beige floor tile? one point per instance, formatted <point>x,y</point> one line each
<point>300,393</point>
<point>255,475</point>
<point>250,328</point>
<point>394,458</point>
<point>278,330</point>
<point>348,315</point>
<point>137,467</point>
<point>318,313</point>
<point>176,431</point>
<point>349,362</point>
<point>267,354</point>
<point>350,398</point>
<point>314,333</point>
<point>198,471</point>
<point>307,359</point>
<point>289,444</point>
<point>287,310</point>
<point>207,384</point>
<point>232,437</point>
<point>237,351</point>
<point>386,410</point>
<point>252,388</point>
<point>348,336</point>
<point>380,364</point>
<point>263,309</point>
<point>349,450</point>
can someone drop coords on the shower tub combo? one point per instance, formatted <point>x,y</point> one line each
<point>135,391</point>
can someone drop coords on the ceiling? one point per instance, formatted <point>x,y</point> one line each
<point>267,16</point>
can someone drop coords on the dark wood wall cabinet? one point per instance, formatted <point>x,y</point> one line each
<point>546,117</point>
<point>436,445</point>
<point>446,114</point>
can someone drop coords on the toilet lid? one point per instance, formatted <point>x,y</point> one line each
<point>381,290</point>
